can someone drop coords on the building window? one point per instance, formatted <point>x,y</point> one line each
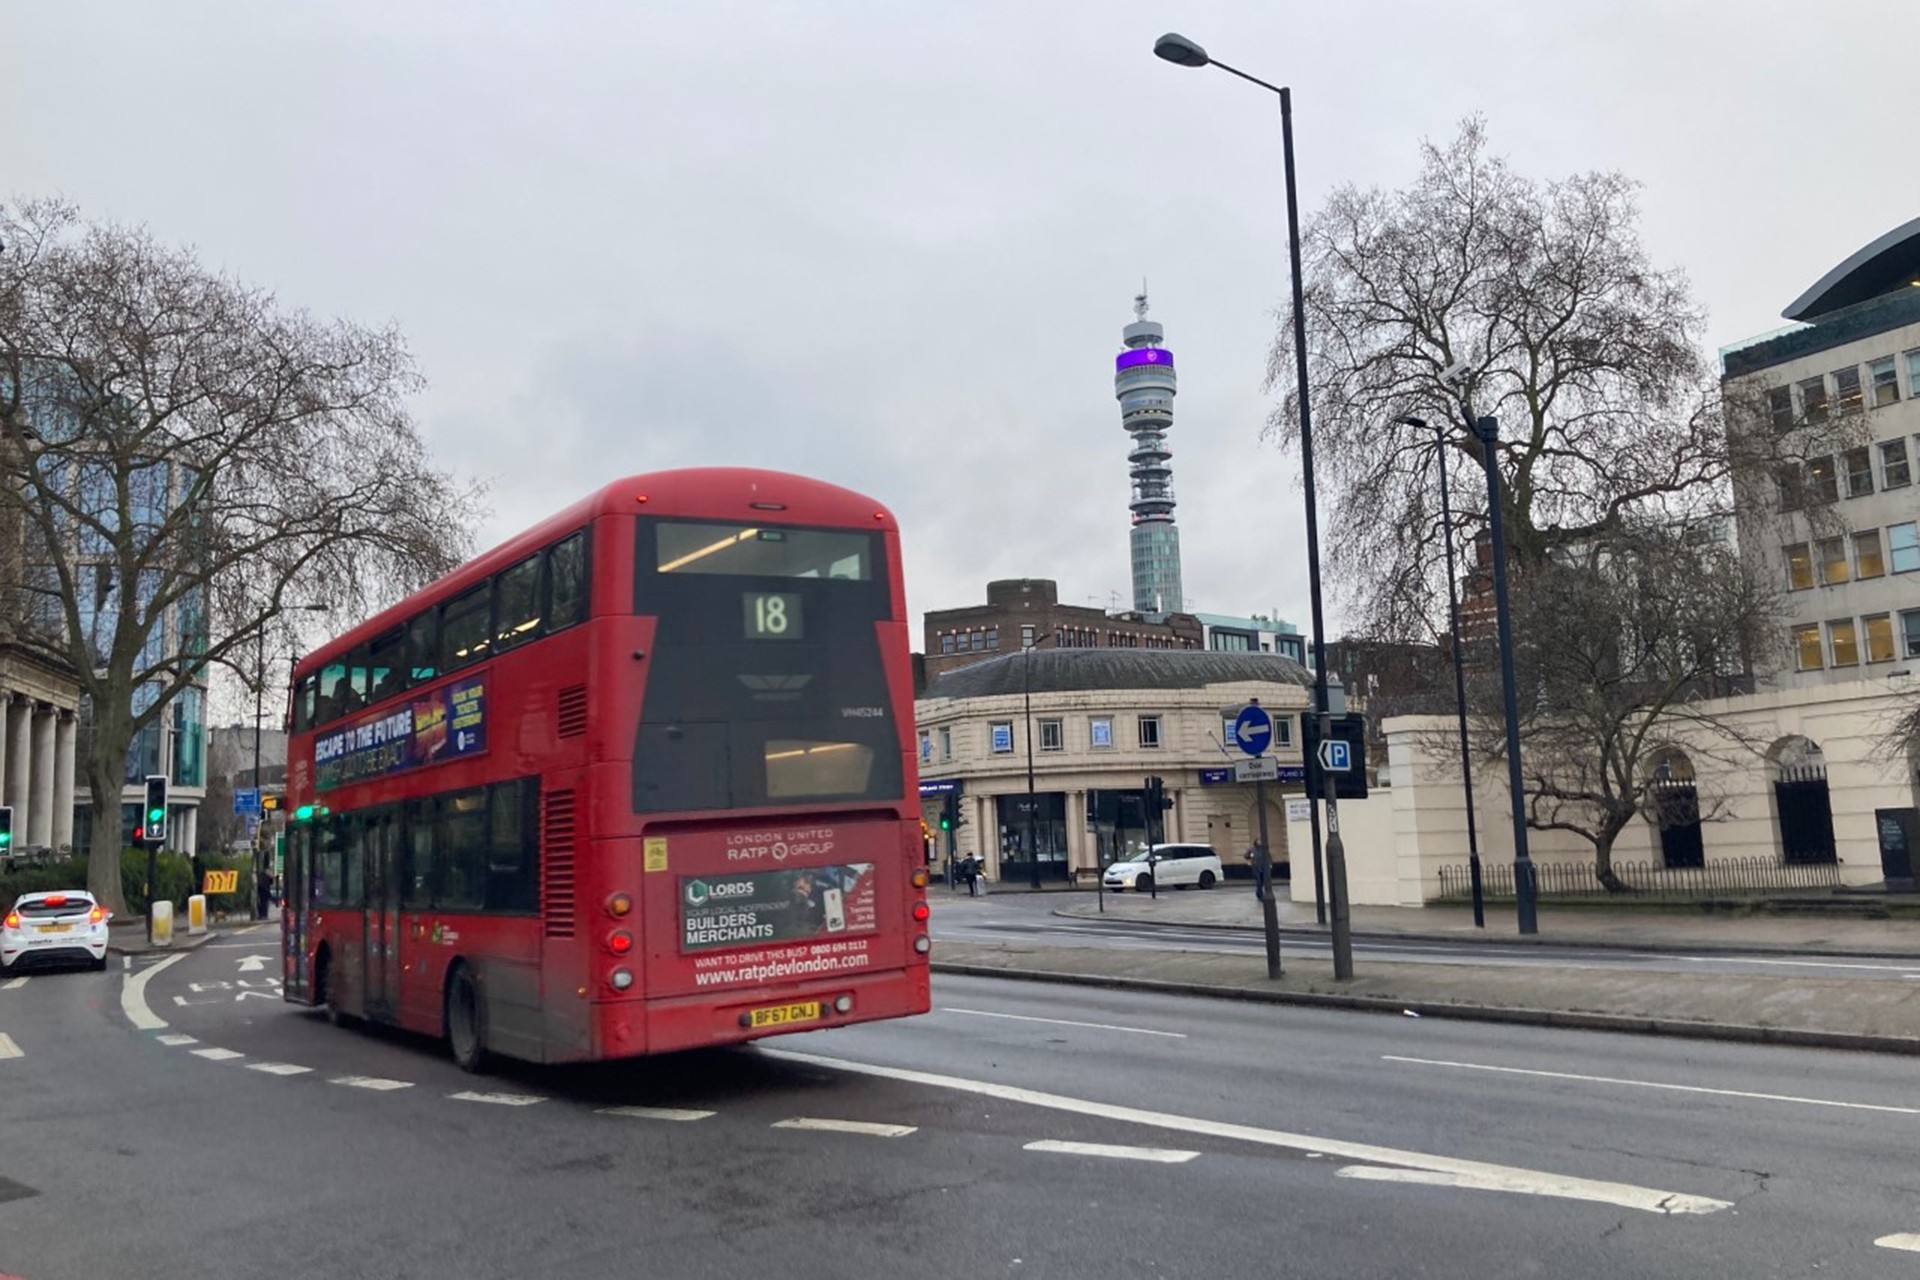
<point>1903,548</point>
<point>1833,561</point>
<point>1806,646</point>
<point>946,644</point>
<point>977,640</point>
<point>1913,373</point>
<point>946,742</point>
<point>1846,389</point>
<point>1780,408</point>
<point>1000,735</point>
<point>1026,637</point>
<point>1150,731</point>
<point>1910,634</point>
<point>1792,481</point>
<point>1886,383</point>
<point>1866,555</point>
<point>1893,465</point>
<point>1859,472</point>
<point>1052,736</point>
<point>1879,629</point>
<point>993,637</point>
<point>1813,400</point>
<point>926,745</point>
<point>1823,482</point>
<point>1100,731</point>
<point>1846,650</point>
<point>1799,567</point>
<point>1282,731</point>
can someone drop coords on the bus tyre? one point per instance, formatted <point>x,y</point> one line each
<point>466,1021</point>
<point>327,994</point>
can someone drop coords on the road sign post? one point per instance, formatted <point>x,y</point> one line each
<point>1253,734</point>
<point>1335,758</point>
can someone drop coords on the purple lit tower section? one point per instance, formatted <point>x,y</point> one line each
<point>1144,384</point>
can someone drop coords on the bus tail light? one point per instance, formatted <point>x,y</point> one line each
<point>920,910</point>
<point>923,944</point>
<point>920,877</point>
<point>619,904</point>
<point>620,979</point>
<point>619,942</point>
<point>843,1004</point>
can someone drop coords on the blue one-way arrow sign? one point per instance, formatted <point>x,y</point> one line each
<point>1253,731</point>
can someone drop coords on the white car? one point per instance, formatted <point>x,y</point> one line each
<point>1169,866</point>
<point>55,927</point>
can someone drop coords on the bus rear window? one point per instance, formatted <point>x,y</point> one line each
<point>762,551</point>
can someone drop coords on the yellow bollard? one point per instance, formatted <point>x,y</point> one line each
<point>163,923</point>
<point>197,914</point>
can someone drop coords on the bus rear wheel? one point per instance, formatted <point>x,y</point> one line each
<point>325,992</point>
<point>466,1024</point>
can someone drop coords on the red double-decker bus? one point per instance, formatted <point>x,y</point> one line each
<point>638,780</point>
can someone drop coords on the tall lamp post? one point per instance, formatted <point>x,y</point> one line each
<point>1459,676</point>
<point>1026,704</point>
<point>1183,52</point>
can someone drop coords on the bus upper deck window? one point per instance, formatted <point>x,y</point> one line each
<point>423,648</point>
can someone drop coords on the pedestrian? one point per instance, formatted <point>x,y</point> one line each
<point>1262,870</point>
<point>264,892</point>
<point>974,864</point>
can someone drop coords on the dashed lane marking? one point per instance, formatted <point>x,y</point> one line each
<point>278,1068</point>
<point>1903,1240</point>
<point>8,1049</point>
<point>863,1127</point>
<point>176,1040</point>
<point>1159,1155</point>
<point>655,1113</point>
<point>217,1055</point>
<point>14,985</point>
<point>498,1099</point>
<point>133,996</point>
<point>371,1082</point>
<point>1655,1084</point>
<point>1622,1194</point>
<point>1065,1022</point>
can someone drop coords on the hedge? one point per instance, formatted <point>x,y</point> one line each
<point>174,871</point>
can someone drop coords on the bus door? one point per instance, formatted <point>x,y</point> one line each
<point>296,911</point>
<point>383,914</point>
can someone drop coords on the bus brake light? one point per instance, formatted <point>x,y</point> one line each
<point>921,911</point>
<point>619,942</point>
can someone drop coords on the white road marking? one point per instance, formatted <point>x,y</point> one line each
<point>126,963</point>
<point>176,1040</point>
<point>1906,969</point>
<point>1625,1195</point>
<point>15,985</point>
<point>278,1068</point>
<point>1429,1178</point>
<point>1064,1022</point>
<point>133,996</point>
<point>655,1113</point>
<point>1904,1240</point>
<point>8,1049</point>
<point>216,1055</point>
<point>846,1126</point>
<point>1654,1084</point>
<point>1161,1155</point>
<point>498,1099</point>
<point>371,1082</point>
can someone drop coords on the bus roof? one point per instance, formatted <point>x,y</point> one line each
<point>712,492</point>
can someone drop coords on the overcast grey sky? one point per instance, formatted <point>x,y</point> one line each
<point>893,243</point>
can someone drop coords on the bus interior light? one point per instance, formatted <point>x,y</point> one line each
<point>619,942</point>
<point>619,904</point>
<point>620,979</point>
<point>843,1004</point>
<point>921,911</point>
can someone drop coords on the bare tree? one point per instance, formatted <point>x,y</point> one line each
<point>1621,648</point>
<point>185,457</point>
<point>1542,297</point>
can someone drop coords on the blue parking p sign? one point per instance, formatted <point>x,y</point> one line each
<point>1336,755</point>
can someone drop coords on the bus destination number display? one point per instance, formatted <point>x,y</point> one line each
<point>773,615</point>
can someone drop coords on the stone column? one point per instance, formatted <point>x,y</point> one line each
<point>40,773</point>
<point>1077,854</point>
<point>19,727</point>
<point>6,705</point>
<point>189,830</point>
<point>65,734</point>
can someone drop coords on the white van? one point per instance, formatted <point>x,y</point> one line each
<point>1170,866</point>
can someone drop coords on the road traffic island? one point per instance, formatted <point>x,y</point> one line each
<point>1862,1014</point>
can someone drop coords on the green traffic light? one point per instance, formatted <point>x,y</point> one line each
<point>155,815</point>
<point>303,813</point>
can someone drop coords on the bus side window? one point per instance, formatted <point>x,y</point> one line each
<point>423,648</point>
<point>460,839</point>
<point>513,846</point>
<point>416,889</point>
<point>358,683</point>
<point>567,572</point>
<point>516,604</point>
<point>384,658</point>
<point>303,705</point>
<point>329,873</point>
<point>464,628</point>
<point>353,841</point>
<point>333,692</point>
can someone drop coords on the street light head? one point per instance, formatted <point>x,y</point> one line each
<point>1176,48</point>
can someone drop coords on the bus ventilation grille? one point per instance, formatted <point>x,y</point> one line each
<point>573,711</point>
<point>556,868</point>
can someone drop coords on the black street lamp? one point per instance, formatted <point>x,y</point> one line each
<point>1183,52</point>
<point>1026,703</point>
<point>1459,676</point>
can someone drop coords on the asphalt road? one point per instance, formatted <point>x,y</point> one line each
<point>1021,1129</point>
<point>1016,917</point>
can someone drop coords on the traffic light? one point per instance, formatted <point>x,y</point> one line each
<point>6,829</point>
<point>153,820</point>
<point>949,812</point>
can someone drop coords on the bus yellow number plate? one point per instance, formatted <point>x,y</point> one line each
<point>781,1014</point>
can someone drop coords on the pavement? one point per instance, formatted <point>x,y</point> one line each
<point>1838,1011</point>
<point>129,937</point>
